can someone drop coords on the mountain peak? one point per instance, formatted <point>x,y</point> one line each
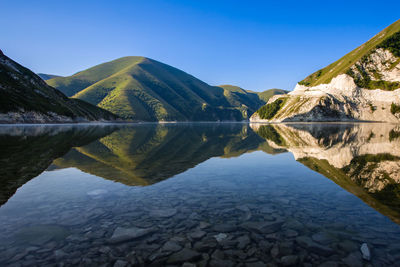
<point>364,85</point>
<point>344,64</point>
<point>140,88</point>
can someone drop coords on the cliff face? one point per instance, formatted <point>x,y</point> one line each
<point>364,85</point>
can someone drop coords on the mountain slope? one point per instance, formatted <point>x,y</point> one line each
<point>346,63</point>
<point>364,85</point>
<point>267,94</point>
<point>237,96</point>
<point>139,88</point>
<point>25,97</point>
<point>45,76</point>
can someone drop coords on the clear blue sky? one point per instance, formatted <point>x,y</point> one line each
<point>254,44</point>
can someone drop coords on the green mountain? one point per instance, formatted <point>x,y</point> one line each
<point>267,94</point>
<point>356,62</point>
<point>45,76</point>
<point>346,90</point>
<point>142,89</point>
<point>251,96</point>
<point>25,97</point>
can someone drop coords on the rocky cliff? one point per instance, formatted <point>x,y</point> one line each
<point>364,85</point>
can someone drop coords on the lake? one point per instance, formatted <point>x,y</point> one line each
<point>208,194</point>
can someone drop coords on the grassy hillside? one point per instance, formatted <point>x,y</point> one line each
<point>344,64</point>
<point>267,94</point>
<point>257,97</point>
<point>143,89</point>
<point>238,96</point>
<point>23,91</point>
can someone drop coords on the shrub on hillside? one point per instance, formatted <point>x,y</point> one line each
<point>268,111</point>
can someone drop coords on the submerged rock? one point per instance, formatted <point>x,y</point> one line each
<point>163,213</point>
<point>263,227</point>
<point>353,259</point>
<point>225,228</point>
<point>220,237</point>
<point>197,234</point>
<point>171,246</point>
<point>322,238</point>
<point>243,241</point>
<point>366,254</point>
<point>41,234</point>
<point>125,234</point>
<point>185,255</point>
<point>308,244</point>
<point>289,260</point>
<point>97,192</point>
<point>120,263</point>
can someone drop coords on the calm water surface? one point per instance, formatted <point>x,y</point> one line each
<point>206,194</point>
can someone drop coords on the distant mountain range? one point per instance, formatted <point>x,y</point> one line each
<point>364,85</point>
<point>143,89</point>
<point>26,98</point>
<point>47,76</point>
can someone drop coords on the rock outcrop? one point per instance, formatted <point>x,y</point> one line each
<point>364,85</point>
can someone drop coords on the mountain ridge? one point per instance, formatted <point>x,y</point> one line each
<point>143,89</point>
<point>46,76</point>
<point>364,85</point>
<point>26,98</point>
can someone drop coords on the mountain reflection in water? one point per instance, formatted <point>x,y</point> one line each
<point>147,154</point>
<point>364,158</point>
<point>208,193</point>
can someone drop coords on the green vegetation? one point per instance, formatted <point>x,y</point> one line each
<point>392,44</point>
<point>268,111</point>
<point>248,101</point>
<point>270,133</point>
<point>394,108</point>
<point>371,107</point>
<point>388,38</point>
<point>142,89</point>
<point>23,91</point>
<point>365,81</point>
<point>393,134</point>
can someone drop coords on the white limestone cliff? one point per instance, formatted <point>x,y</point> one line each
<point>342,99</point>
